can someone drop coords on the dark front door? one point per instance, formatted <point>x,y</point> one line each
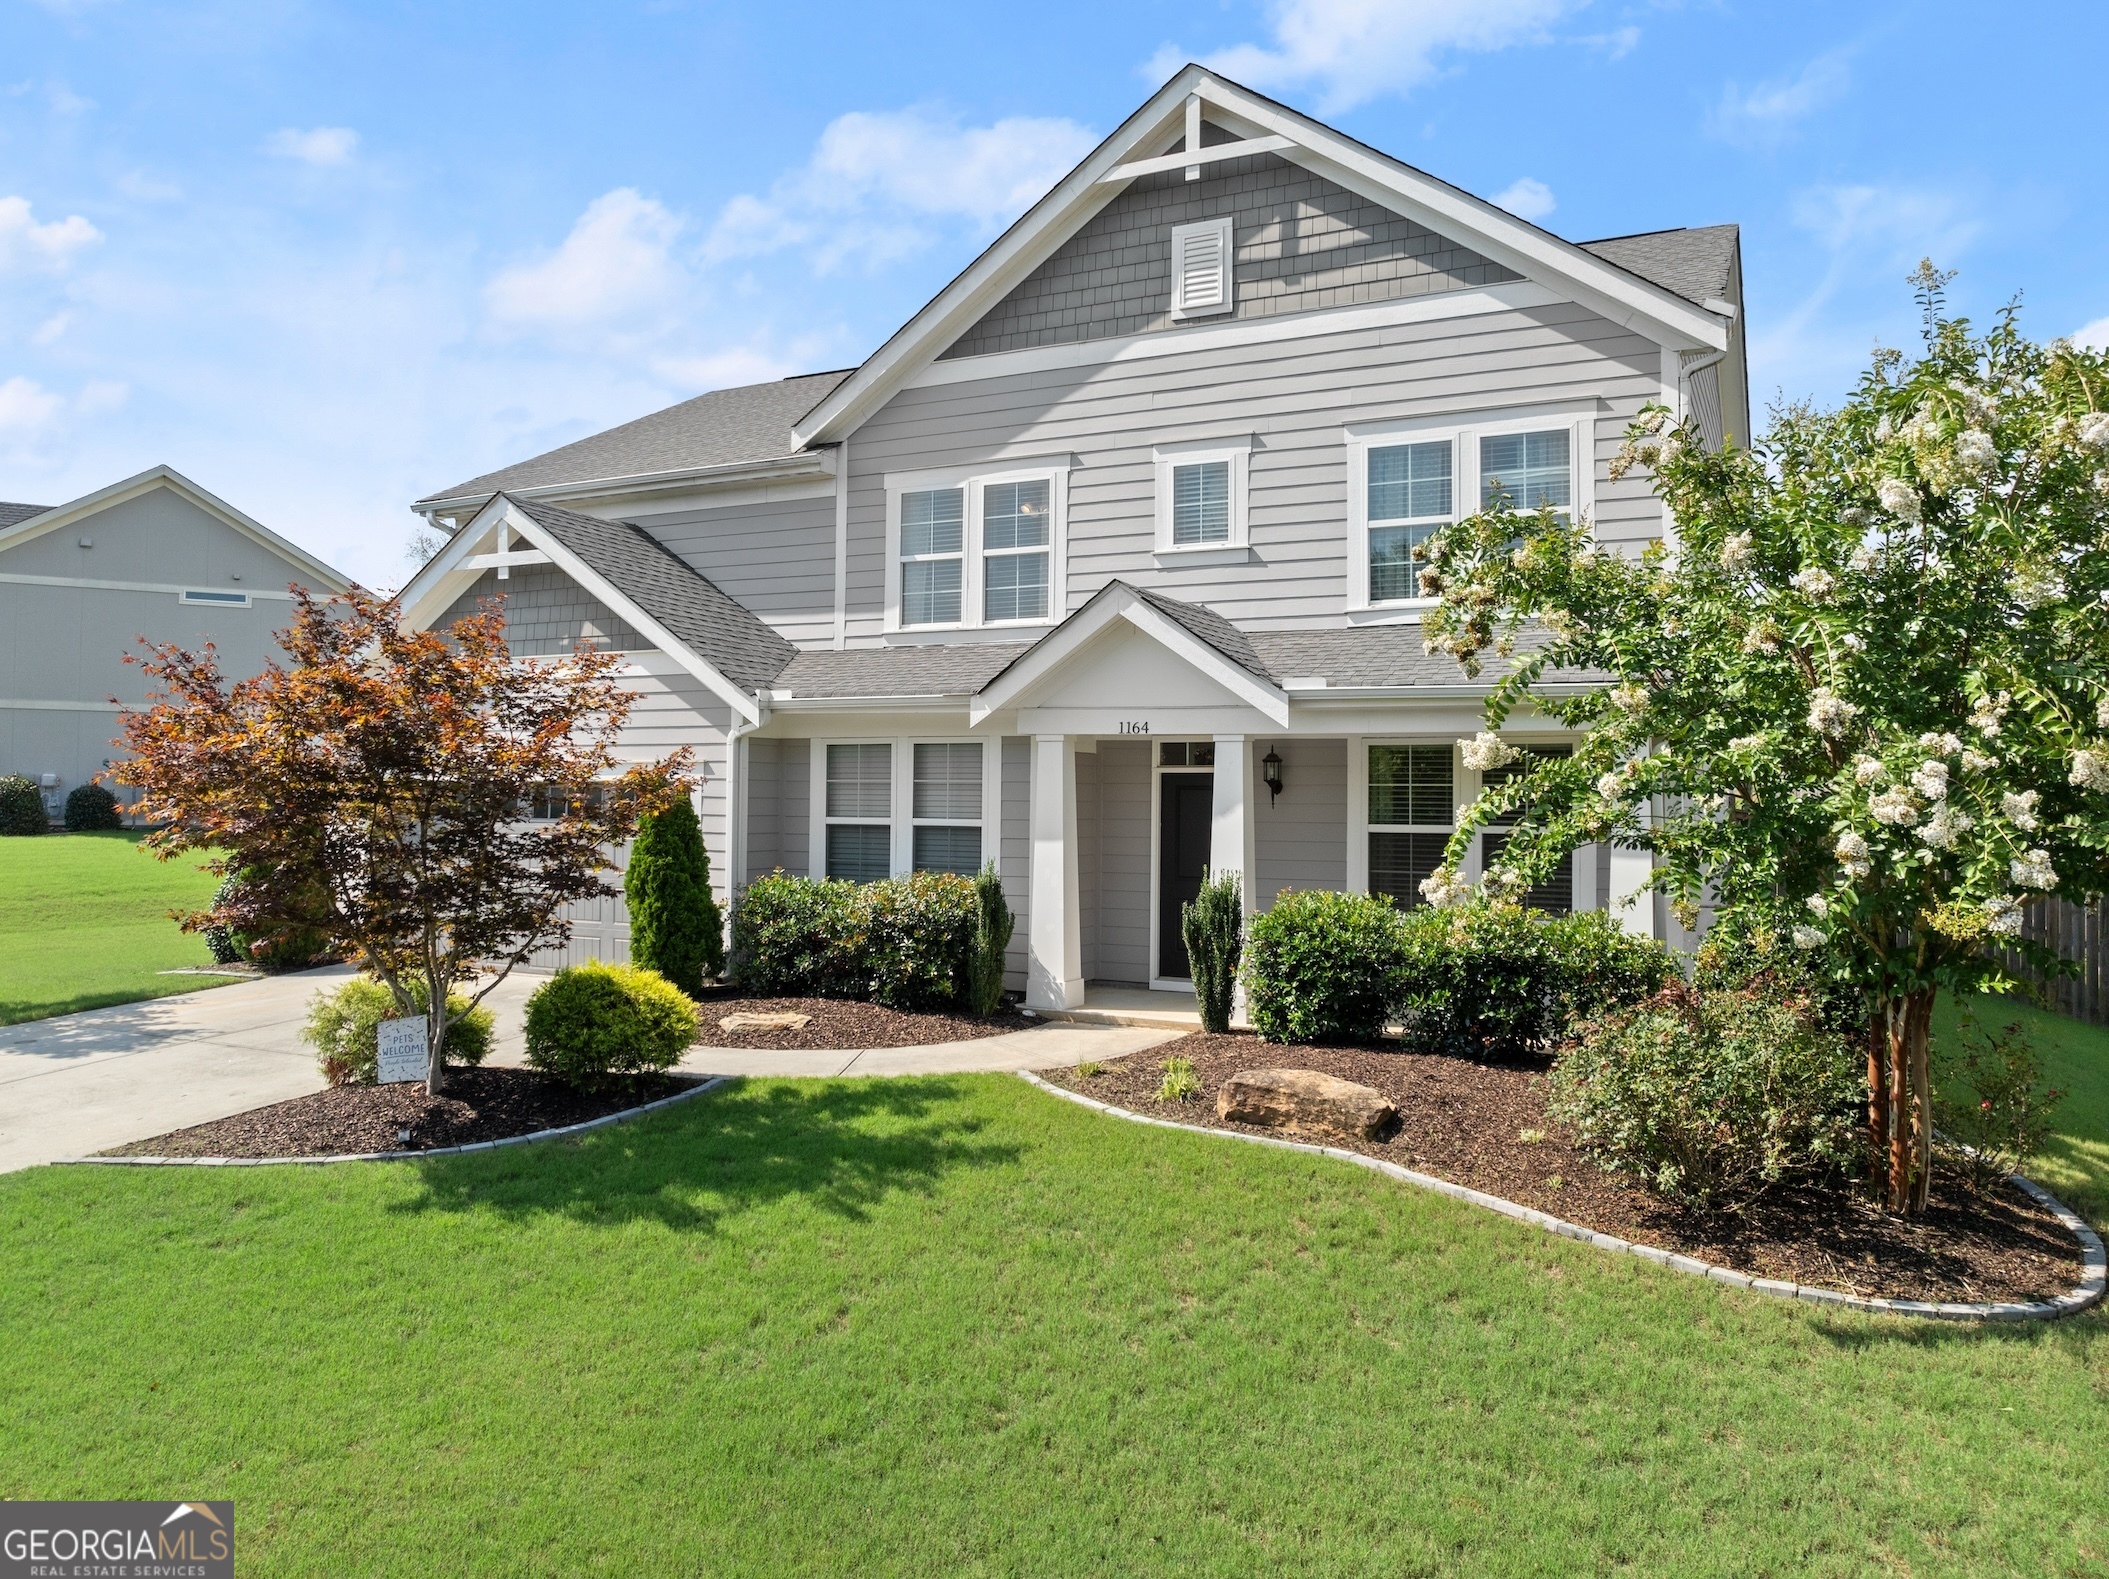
<point>1186,804</point>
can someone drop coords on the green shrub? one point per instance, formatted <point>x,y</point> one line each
<point>920,933</point>
<point>1494,980</point>
<point>21,807</point>
<point>1990,1109</point>
<point>992,940</point>
<point>796,937</point>
<point>1757,959</point>
<point>293,945</point>
<point>1323,967</point>
<point>675,926</point>
<point>1709,1098</point>
<point>1214,929</point>
<point>908,942</point>
<point>590,1021</point>
<point>92,809</point>
<point>344,1027</point>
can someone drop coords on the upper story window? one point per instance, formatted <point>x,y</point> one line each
<point>1201,497</point>
<point>1202,282</point>
<point>1408,480</point>
<point>969,550</point>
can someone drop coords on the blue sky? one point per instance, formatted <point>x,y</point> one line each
<point>325,258</point>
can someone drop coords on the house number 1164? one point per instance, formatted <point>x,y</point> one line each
<point>1130,726</point>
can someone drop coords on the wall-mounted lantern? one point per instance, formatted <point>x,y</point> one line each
<point>1271,774</point>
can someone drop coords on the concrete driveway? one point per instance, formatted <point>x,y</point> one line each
<point>82,1083</point>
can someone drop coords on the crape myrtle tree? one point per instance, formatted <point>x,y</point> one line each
<point>1860,701</point>
<point>379,786</point>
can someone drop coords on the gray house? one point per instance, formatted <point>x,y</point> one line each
<point>154,556</point>
<point>1100,567</point>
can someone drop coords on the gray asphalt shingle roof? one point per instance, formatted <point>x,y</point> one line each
<point>959,669</point>
<point>726,634</point>
<point>1383,655</point>
<point>1698,264</point>
<point>15,514</point>
<point>1209,626</point>
<point>722,428</point>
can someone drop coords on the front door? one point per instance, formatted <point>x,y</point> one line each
<point>1186,805</point>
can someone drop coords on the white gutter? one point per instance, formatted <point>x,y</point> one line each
<point>806,463</point>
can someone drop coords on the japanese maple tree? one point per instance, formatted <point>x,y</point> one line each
<point>1859,701</point>
<point>379,786</point>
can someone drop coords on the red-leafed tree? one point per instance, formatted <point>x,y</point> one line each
<point>428,801</point>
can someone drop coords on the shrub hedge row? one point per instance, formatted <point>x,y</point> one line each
<point>908,942</point>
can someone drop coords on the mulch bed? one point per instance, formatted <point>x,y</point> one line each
<point>478,1104</point>
<point>1463,1121</point>
<point>839,1023</point>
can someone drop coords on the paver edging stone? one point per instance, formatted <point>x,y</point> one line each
<point>398,1156</point>
<point>2094,1261</point>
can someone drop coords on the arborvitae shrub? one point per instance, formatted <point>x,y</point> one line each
<point>676,927</point>
<point>1214,927</point>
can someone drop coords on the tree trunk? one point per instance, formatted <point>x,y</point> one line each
<point>1878,1097</point>
<point>1905,1099</point>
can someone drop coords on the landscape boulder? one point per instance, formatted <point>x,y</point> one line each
<point>765,1020</point>
<point>1307,1102</point>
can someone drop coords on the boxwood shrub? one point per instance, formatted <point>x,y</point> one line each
<point>907,942</point>
<point>92,809</point>
<point>1323,967</point>
<point>344,1028</point>
<point>21,806</point>
<point>590,1021</point>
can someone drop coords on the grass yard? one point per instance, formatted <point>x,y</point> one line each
<point>953,1325</point>
<point>84,923</point>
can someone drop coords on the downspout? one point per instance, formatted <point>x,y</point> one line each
<point>841,543</point>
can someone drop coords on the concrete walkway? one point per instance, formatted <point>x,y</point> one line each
<point>82,1083</point>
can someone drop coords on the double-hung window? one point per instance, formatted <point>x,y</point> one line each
<point>933,552</point>
<point>968,549</point>
<point>1412,808</point>
<point>947,806</point>
<point>1408,480</point>
<point>859,811</point>
<point>1553,892</point>
<point>1015,517</point>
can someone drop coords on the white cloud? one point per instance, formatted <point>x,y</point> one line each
<point>48,332</point>
<point>322,146</point>
<point>1616,44</point>
<point>2094,336</point>
<point>1768,113</point>
<point>1892,222</point>
<point>26,406</point>
<point>617,261</point>
<point>1527,199</point>
<point>877,180</point>
<point>1354,50</point>
<point>49,246</point>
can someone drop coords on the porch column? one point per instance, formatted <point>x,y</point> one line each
<point>1630,871</point>
<point>1230,843</point>
<point>1054,973</point>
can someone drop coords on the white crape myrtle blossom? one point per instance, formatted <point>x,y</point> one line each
<point>1814,582</point>
<point>1761,637</point>
<point>1629,698</point>
<point>1854,642</point>
<point>2101,715</point>
<point>1978,762</point>
<point>1867,769</point>
<point>1444,889</point>
<point>1817,904</point>
<point>1808,937</point>
<point>1989,714</point>
<point>1930,779</point>
<point>2032,869</point>
<point>1944,830</point>
<point>1746,742</point>
<point>1611,787</point>
<point>1736,550</point>
<point>2021,809</point>
<point>2003,916</point>
<point>2090,771</point>
<point>1895,808</point>
<point>2094,430</point>
<point>1831,714</point>
<point>1899,498</point>
<point>1486,751</point>
<point>1852,854</point>
<point>1865,559</point>
<point>1946,744</point>
<point>2036,586</point>
<point>1974,449</point>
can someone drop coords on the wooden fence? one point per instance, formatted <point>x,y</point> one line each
<point>2074,931</point>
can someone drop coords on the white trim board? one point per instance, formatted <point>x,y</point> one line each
<point>178,588</point>
<point>1517,296</point>
<point>67,707</point>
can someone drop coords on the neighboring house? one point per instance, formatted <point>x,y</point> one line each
<point>1114,537</point>
<point>154,556</point>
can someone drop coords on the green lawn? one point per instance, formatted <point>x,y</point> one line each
<point>84,923</point>
<point>956,1326</point>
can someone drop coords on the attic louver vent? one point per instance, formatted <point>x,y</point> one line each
<point>1201,269</point>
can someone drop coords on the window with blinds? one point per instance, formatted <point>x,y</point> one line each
<point>1201,503</point>
<point>1201,269</point>
<point>933,548</point>
<point>860,812</point>
<point>1412,802</point>
<point>1554,892</point>
<point>1526,471</point>
<point>947,807</point>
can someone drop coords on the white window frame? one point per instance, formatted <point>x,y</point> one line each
<point>902,822</point>
<point>1463,430</point>
<point>213,598</point>
<point>1238,452</point>
<point>1054,471</point>
<point>1225,232</point>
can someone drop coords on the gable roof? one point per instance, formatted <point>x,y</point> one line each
<point>10,514</point>
<point>714,626</point>
<point>1209,626</point>
<point>727,427</point>
<point>1698,264</point>
<point>22,529</point>
<point>1603,286</point>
